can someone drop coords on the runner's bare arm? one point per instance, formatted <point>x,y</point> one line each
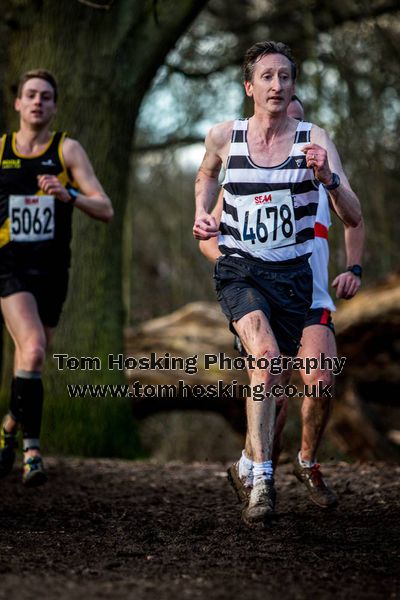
<point>354,242</point>
<point>210,247</point>
<point>347,284</point>
<point>92,199</point>
<point>322,156</point>
<point>207,180</point>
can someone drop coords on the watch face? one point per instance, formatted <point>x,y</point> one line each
<point>334,183</point>
<point>357,270</point>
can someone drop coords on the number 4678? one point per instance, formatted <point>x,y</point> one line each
<point>280,216</point>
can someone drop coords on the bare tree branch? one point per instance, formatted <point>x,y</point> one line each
<point>177,142</point>
<point>327,17</point>
<point>155,12</point>
<point>393,47</point>
<point>197,74</point>
<point>96,5</point>
<point>355,14</point>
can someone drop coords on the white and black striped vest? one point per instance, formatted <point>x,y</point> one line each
<point>257,222</point>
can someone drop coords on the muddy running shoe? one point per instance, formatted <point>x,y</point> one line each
<point>261,506</point>
<point>8,445</point>
<point>318,490</point>
<point>33,474</point>
<point>241,486</point>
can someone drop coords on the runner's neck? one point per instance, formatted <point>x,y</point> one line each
<point>269,148</point>
<point>31,142</point>
<point>268,129</point>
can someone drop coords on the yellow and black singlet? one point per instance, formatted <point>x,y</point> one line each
<point>35,228</point>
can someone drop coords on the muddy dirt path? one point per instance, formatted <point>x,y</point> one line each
<point>115,529</point>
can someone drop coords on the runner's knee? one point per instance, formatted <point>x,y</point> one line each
<point>269,353</point>
<point>32,355</point>
<point>318,378</point>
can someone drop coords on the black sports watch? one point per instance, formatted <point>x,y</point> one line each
<point>356,270</point>
<point>334,183</point>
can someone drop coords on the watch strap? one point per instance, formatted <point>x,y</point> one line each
<point>73,192</point>
<point>334,183</point>
<point>356,270</point>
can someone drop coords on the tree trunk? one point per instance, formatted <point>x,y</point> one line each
<point>104,60</point>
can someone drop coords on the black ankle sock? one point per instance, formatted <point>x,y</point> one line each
<point>15,408</point>
<point>29,403</point>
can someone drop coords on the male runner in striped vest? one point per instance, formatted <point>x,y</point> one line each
<point>273,168</point>
<point>318,338</point>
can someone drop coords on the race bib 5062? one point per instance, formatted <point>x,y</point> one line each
<point>31,218</point>
<point>267,220</point>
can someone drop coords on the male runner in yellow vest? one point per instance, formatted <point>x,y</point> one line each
<point>40,172</point>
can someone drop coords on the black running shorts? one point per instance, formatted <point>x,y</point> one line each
<point>49,291</point>
<point>320,316</point>
<point>282,293</point>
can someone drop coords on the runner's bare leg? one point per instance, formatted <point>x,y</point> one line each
<point>315,412</point>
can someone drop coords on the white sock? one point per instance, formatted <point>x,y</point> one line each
<point>31,444</point>
<point>246,469</point>
<point>263,470</point>
<point>305,463</point>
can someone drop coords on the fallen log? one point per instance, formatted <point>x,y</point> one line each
<point>368,334</point>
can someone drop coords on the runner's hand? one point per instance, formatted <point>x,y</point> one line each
<point>205,227</point>
<point>317,159</point>
<point>347,285</point>
<point>51,185</point>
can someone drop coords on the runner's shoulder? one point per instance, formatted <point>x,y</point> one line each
<point>72,150</point>
<point>319,136</point>
<point>70,144</point>
<point>219,135</point>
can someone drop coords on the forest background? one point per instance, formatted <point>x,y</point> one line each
<point>140,84</point>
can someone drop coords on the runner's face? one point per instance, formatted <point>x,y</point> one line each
<point>36,105</point>
<point>272,86</point>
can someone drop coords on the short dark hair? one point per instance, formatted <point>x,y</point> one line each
<point>295,98</point>
<point>39,74</point>
<point>261,49</point>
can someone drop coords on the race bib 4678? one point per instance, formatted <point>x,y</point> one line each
<point>267,220</point>
<point>31,218</point>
